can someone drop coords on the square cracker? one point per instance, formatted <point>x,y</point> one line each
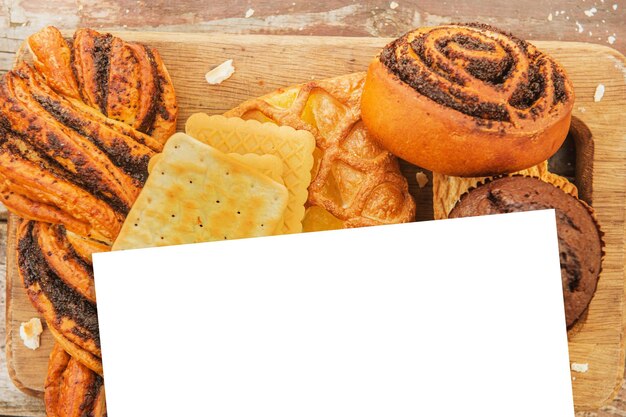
<point>196,193</point>
<point>269,165</point>
<point>294,147</point>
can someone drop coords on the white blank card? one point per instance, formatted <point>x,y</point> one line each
<point>446,318</point>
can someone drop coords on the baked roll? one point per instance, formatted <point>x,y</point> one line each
<point>467,100</point>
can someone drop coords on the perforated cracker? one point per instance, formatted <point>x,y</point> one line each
<point>196,193</point>
<point>269,165</point>
<point>294,147</point>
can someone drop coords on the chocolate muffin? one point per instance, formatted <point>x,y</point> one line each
<point>580,240</point>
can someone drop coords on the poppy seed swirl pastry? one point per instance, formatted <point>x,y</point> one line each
<point>467,100</point>
<point>580,238</point>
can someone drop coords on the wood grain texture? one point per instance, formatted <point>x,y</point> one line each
<point>528,19</point>
<point>264,63</point>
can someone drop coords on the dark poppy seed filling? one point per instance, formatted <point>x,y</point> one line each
<point>66,302</point>
<point>444,64</point>
<point>147,126</point>
<point>101,53</point>
<point>89,401</point>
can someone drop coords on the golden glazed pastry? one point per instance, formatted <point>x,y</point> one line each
<point>59,164</point>
<point>126,81</point>
<point>354,181</point>
<point>72,152</point>
<point>71,389</point>
<point>467,100</point>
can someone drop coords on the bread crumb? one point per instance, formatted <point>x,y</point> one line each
<point>599,93</point>
<point>249,13</point>
<point>421,179</point>
<point>580,367</point>
<point>615,7</point>
<point>30,331</point>
<point>579,27</point>
<point>611,39</point>
<point>591,12</point>
<point>220,73</point>
<point>393,5</point>
<point>550,17</point>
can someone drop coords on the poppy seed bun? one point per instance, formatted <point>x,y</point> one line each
<point>467,100</point>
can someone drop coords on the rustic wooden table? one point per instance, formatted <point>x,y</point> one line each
<point>600,22</point>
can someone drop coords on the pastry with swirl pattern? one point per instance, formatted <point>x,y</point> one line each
<point>467,100</point>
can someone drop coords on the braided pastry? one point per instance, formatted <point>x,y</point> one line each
<point>467,100</point>
<point>77,130</point>
<point>60,286</point>
<point>126,81</point>
<point>71,389</point>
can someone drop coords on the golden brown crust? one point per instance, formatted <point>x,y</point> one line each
<point>126,150</point>
<point>164,124</point>
<point>64,164</point>
<point>76,352</point>
<point>52,58</point>
<point>430,97</point>
<point>85,247</point>
<point>52,387</point>
<point>19,203</point>
<point>64,309</point>
<point>71,389</point>
<point>70,150</point>
<point>36,193</point>
<point>125,81</point>
<point>84,58</point>
<point>63,260</point>
<point>353,179</point>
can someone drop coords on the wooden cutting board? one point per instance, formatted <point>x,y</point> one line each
<point>264,63</point>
